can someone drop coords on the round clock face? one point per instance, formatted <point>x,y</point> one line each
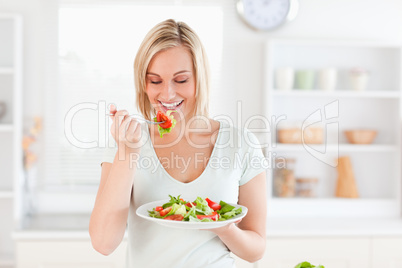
<point>267,14</point>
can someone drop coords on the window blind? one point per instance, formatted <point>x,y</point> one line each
<point>96,46</point>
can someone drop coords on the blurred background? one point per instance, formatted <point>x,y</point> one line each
<point>321,92</point>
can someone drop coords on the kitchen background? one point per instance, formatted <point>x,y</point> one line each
<point>76,52</point>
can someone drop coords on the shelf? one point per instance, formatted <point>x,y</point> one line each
<point>337,94</point>
<point>327,200</point>
<point>11,127</point>
<point>291,227</point>
<point>6,127</point>
<point>333,207</point>
<point>56,222</point>
<point>6,70</point>
<point>6,194</point>
<point>336,148</point>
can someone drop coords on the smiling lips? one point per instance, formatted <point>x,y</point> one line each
<point>171,105</point>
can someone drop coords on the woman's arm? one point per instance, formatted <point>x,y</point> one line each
<point>109,216</point>
<point>247,239</point>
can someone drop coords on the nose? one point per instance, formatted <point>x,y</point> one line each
<point>168,92</point>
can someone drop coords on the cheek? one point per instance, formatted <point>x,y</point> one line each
<point>190,92</point>
<point>149,92</point>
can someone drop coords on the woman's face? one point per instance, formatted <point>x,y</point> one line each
<point>170,81</point>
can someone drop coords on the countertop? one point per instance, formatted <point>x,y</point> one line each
<point>75,226</point>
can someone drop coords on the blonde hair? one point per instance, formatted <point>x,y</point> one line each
<point>165,35</point>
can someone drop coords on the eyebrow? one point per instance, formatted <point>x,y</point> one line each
<point>179,72</point>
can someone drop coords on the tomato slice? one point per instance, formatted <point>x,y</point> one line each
<point>215,206</point>
<point>174,217</point>
<point>214,216</point>
<point>165,211</point>
<point>212,204</point>
<point>160,117</point>
<point>189,204</point>
<point>158,208</point>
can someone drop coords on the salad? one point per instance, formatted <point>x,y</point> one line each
<point>200,210</point>
<point>169,124</point>
<point>307,265</point>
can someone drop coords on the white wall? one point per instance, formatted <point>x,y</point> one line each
<point>242,60</point>
<point>354,19</point>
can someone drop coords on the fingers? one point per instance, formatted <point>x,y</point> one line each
<point>119,116</point>
<point>133,127</point>
<point>113,110</point>
<point>133,133</point>
<point>124,125</point>
<point>129,130</point>
<point>125,129</point>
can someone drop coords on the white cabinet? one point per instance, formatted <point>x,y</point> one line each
<point>387,252</point>
<point>62,250</point>
<point>330,252</point>
<point>60,253</point>
<point>74,253</point>
<point>10,131</point>
<point>376,166</point>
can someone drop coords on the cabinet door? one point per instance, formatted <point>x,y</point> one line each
<point>330,252</point>
<point>387,252</point>
<point>66,254</point>
<point>76,254</point>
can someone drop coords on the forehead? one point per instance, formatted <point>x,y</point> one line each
<point>171,60</point>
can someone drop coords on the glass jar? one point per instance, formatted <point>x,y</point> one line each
<point>306,187</point>
<point>284,184</point>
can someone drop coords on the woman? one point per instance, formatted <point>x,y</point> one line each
<point>171,73</point>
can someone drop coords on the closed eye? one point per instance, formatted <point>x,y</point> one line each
<point>182,81</point>
<point>156,82</point>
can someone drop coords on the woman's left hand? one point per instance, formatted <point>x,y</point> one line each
<point>224,229</point>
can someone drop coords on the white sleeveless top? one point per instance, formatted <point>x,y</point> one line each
<point>236,158</point>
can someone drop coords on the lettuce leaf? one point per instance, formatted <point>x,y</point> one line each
<point>154,214</point>
<point>162,130</point>
<point>191,214</point>
<point>230,214</point>
<point>195,219</point>
<point>225,207</point>
<point>227,211</point>
<point>179,210</point>
<point>173,200</point>
<point>307,265</point>
<point>202,207</point>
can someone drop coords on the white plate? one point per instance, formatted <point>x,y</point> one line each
<point>142,211</point>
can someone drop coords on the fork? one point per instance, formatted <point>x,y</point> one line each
<point>147,121</point>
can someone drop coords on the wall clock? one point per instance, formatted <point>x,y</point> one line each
<point>267,15</point>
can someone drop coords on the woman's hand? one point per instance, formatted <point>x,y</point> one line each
<point>224,229</point>
<point>125,130</point>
